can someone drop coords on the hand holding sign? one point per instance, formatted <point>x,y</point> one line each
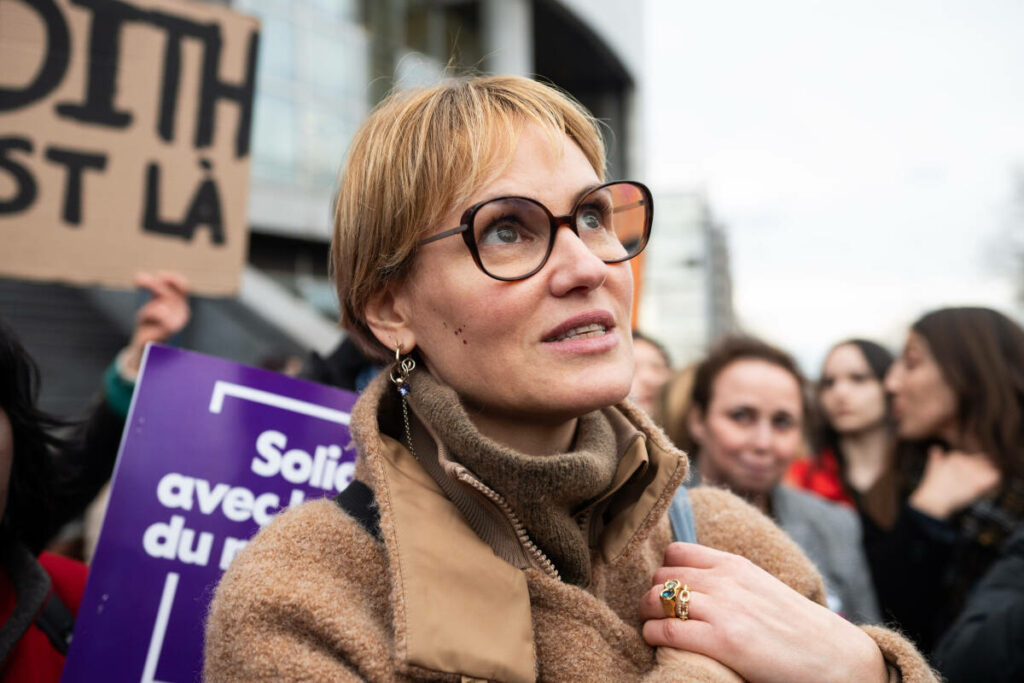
<point>160,318</point>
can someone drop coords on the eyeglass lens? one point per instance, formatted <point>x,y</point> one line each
<point>512,234</point>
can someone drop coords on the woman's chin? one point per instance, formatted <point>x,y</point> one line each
<point>758,482</point>
<point>913,432</point>
<point>578,401</point>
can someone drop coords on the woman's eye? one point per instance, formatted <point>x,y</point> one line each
<point>783,422</point>
<point>742,416</point>
<point>502,232</point>
<point>506,235</point>
<point>826,383</point>
<point>591,218</point>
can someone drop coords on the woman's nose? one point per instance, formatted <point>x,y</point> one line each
<point>840,390</point>
<point>894,378</point>
<point>762,435</point>
<point>573,265</point>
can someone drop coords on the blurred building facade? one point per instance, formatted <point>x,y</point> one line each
<point>323,65</point>
<point>687,296</point>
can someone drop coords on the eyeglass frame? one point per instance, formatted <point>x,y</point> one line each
<point>466,225</point>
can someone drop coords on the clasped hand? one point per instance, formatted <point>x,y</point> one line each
<point>751,622</point>
<point>953,480</point>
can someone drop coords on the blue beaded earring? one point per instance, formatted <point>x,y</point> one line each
<point>403,366</point>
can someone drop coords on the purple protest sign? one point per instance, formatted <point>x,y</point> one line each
<point>211,451</point>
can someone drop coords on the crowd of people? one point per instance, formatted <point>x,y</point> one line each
<point>908,495</point>
<point>514,515</point>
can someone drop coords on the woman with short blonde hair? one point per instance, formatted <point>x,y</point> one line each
<point>422,153</point>
<point>508,520</point>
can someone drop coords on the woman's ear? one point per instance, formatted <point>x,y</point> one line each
<point>387,316</point>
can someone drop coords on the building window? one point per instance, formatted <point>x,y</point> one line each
<point>311,91</point>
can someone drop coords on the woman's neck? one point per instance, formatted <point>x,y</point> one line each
<point>762,501</point>
<point>866,455</point>
<point>710,476</point>
<point>527,436</point>
<point>959,440</point>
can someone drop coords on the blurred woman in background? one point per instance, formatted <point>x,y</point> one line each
<point>853,456</point>
<point>653,368</point>
<point>47,480</point>
<point>747,419</point>
<point>672,409</point>
<point>39,592</point>
<point>958,391</point>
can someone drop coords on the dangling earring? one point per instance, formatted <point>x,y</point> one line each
<point>403,366</point>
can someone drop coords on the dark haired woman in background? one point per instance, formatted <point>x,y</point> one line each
<point>46,481</point>
<point>38,493</point>
<point>853,456</point>
<point>958,390</point>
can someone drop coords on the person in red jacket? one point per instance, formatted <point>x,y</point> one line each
<point>46,480</point>
<point>38,593</point>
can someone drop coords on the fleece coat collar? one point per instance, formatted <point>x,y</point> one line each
<point>459,606</point>
<point>315,596</point>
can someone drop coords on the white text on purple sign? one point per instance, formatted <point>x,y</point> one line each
<point>172,540</point>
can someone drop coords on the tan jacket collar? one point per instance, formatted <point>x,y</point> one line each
<point>458,607</point>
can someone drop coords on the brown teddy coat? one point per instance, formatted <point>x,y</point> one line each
<point>315,596</point>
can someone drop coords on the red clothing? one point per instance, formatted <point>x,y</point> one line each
<point>820,475</point>
<point>34,657</point>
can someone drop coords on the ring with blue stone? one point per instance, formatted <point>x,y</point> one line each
<point>669,593</point>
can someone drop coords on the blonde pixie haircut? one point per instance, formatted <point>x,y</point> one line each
<point>421,154</point>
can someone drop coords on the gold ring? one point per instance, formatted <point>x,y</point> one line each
<point>683,603</point>
<point>668,596</point>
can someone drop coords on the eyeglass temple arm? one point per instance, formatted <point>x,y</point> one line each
<point>627,207</point>
<point>446,233</point>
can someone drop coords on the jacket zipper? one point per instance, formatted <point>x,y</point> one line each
<point>524,538</point>
<point>467,477</point>
<point>584,521</point>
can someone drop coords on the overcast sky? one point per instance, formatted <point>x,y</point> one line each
<point>861,154</point>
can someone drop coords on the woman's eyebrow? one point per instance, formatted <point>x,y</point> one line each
<point>580,194</point>
<point>584,192</point>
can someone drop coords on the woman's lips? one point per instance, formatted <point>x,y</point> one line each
<point>590,342</point>
<point>759,469</point>
<point>592,324</point>
<point>583,332</point>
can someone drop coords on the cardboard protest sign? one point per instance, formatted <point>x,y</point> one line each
<point>124,140</point>
<point>211,450</point>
